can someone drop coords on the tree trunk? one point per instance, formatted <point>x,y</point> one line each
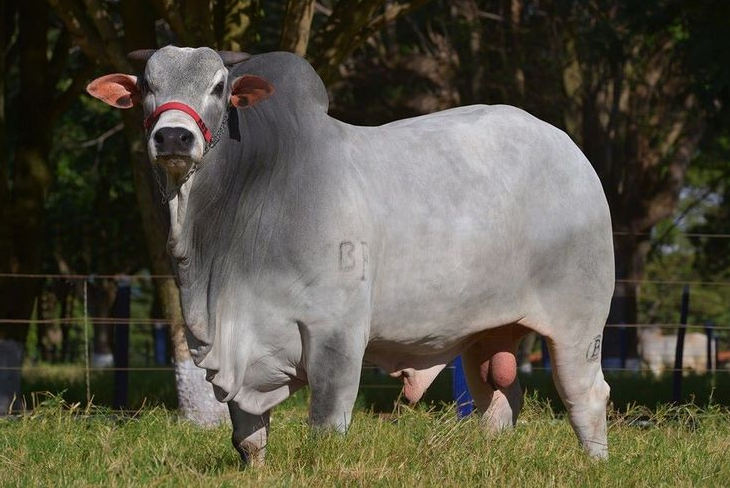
<point>297,25</point>
<point>49,335</point>
<point>101,295</point>
<point>65,296</point>
<point>351,23</point>
<point>233,21</point>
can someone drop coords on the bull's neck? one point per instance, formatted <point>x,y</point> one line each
<point>178,206</point>
<point>204,209</point>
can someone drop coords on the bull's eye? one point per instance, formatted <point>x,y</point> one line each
<point>218,90</point>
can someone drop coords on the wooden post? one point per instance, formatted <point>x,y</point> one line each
<point>121,344</point>
<point>679,352</point>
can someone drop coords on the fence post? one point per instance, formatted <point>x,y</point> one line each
<point>121,343</point>
<point>679,352</point>
<point>710,332</point>
<point>462,397</point>
<point>86,342</point>
<point>717,352</point>
<point>623,335</point>
<point>159,332</point>
<point>545,353</point>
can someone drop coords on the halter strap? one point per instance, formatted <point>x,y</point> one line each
<point>149,121</point>
<point>211,142</point>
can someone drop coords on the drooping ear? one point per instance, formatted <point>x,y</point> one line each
<point>118,90</point>
<point>249,90</point>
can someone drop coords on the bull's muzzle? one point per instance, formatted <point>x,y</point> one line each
<point>173,141</point>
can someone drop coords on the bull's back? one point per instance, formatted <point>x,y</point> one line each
<point>476,211</point>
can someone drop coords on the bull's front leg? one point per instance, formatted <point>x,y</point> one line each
<point>250,434</point>
<point>333,361</point>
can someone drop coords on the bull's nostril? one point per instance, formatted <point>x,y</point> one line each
<point>174,140</point>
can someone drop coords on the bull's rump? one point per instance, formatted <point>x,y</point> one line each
<point>481,214</point>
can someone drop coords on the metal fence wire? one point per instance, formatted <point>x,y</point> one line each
<point>85,321</point>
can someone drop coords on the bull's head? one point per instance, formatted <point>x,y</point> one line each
<point>185,94</point>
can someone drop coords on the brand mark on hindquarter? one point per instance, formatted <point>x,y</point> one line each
<point>354,256</point>
<point>594,349</point>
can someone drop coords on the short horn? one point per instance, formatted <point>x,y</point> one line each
<point>232,57</point>
<point>141,55</point>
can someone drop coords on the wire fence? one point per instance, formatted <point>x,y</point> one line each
<point>364,368</point>
<point>86,322</point>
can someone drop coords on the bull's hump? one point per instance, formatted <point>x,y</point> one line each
<point>297,84</point>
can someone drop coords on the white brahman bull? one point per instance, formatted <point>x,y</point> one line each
<point>304,245</point>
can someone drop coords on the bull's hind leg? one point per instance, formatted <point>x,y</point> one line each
<point>490,368</point>
<point>579,380</point>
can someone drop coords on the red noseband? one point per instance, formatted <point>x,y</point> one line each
<point>149,121</point>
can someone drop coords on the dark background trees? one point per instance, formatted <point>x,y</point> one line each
<point>642,87</point>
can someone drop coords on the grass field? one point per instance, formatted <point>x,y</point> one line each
<point>63,445</point>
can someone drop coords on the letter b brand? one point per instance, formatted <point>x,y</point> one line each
<point>354,256</point>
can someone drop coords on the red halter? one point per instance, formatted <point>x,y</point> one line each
<point>149,121</point>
